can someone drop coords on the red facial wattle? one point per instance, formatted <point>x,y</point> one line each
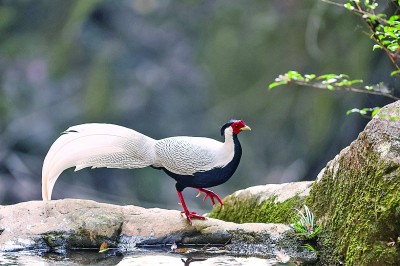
<point>239,126</point>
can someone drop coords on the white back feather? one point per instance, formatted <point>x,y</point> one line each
<point>96,145</point>
<point>188,155</point>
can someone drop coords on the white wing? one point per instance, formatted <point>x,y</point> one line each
<point>187,155</point>
<point>96,145</point>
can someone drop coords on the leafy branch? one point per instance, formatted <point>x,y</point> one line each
<point>365,112</point>
<point>384,31</point>
<point>332,82</point>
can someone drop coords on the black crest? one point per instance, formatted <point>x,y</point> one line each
<point>230,122</point>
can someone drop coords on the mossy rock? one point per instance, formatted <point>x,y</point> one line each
<point>357,197</point>
<point>272,203</point>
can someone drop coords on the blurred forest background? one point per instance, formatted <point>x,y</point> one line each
<point>167,68</point>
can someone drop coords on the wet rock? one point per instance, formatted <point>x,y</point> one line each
<point>62,225</point>
<point>272,203</point>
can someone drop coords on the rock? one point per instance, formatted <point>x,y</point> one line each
<point>357,197</point>
<point>272,203</point>
<point>61,225</point>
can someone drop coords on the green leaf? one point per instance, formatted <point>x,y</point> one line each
<point>309,77</point>
<point>349,6</point>
<point>346,82</point>
<point>354,110</point>
<point>376,46</point>
<point>393,47</point>
<point>369,88</point>
<point>393,73</point>
<point>328,76</point>
<point>375,111</point>
<point>380,15</point>
<point>364,111</point>
<point>310,248</point>
<point>294,75</point>
<point>351,111</point>
<point>394,18</point>
<point>276,84</point>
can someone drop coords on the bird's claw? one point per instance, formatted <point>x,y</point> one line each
<point>206,196</point>
<point>210,194</point>
<point>192,215</point>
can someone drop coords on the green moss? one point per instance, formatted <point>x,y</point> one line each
<point>358,209</point>
<point>250,210</point>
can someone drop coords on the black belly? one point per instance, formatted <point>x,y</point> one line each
<point>206,179</point>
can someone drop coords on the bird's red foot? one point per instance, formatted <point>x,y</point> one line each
<point>193,215</point>
<point>210,194</point>
<point>189,215</point>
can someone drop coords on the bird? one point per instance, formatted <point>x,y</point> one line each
<point>196,162</point>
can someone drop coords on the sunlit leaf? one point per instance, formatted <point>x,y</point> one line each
<point>276,84</point>
<point>393,73</point>
<point>294,75</point>
<point>327,76</point>
<point>364,111</point>
<point>354,110</point>
<point>309,77</point>
<point>349,6</point>
<point>376,46</point>
<point>369,88</point>
<point>394,18</point>
<point>375,111</point>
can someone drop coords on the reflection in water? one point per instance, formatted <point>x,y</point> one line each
<point>139,258</point>
<point>190,260</point>
<point>74,258</point>
<point>176,259</point>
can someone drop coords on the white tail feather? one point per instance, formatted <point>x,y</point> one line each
<point>96,145</point>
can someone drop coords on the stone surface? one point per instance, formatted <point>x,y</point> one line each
<point>356,198</point>
<point>61,225</point>
<point>272,203</point>
<point>282,192</point>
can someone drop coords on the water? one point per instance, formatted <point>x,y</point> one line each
<point>141,258</point>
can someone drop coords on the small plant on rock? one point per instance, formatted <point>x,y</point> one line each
<point>304,225</point>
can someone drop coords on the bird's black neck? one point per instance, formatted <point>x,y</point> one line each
<point>237,148</point>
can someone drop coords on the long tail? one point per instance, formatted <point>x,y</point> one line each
<point>96,145</point>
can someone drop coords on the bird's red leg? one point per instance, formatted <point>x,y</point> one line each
<point>210,194</point>
<point>189,215</point>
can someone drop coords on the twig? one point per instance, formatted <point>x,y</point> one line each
<point>344,88</point>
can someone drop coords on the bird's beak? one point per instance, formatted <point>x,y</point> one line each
<point>245,128</point>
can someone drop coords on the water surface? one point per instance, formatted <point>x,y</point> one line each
<point>141,258</point>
